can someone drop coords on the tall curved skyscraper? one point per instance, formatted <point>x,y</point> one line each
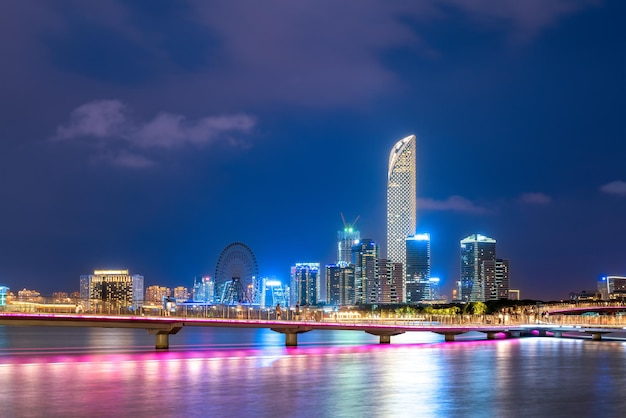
<point>401,198</point>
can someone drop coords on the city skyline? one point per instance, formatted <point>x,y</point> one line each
<point>150,137</point>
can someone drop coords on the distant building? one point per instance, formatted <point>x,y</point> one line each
<point>26,295</point>
<point>181,294</point>
<point>390,278</point>
<point>115,287</point>
<point>340,284</point>
<point>365,254</point>
<point>60,297</point>
<point>417,268</point>
<point>3,295</point>
<point>475,249</point>
<point>346,239</point>
<point>435,294</point>
<point>612,287</point>
<point>496,279</point>
<point>514,294</point>
<point>273,293</point>
<point>156,294</point>
<point>305,283</point>
<point>203,289</point>
<point>401,198</point>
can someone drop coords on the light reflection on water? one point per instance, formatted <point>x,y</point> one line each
<point>104,373</point>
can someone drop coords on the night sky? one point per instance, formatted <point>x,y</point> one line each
<point>149,135</point>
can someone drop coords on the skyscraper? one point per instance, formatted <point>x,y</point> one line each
<point>389,278</point>
<point>401,198</point>
<point>114,287</point>
<point>346,238</point>
<point>417,268</point>
<point>340,284</point>
<point>305,283</point>
<point>365,254</point>
<point>475,249</point>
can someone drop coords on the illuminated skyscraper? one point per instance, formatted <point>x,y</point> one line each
<point>305,283</point>
<point>401,198</point>
<point>496,279</point>
<point>365,254</point>
<point>475,249</point>
<point>347,238</point>
<point>203,289</point>
<point>417,268</point>
<point>339,284</point>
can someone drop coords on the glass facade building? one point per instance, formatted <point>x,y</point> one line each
<point>401,198</point>
<point>305,283</point>
<point>365,254</point>
<point>475,250</point>
<point>417,268</point>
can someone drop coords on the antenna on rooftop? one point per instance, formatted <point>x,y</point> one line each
<point>351,224</point>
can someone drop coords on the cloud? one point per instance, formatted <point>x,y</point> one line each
<point>110,121</point>
<point>617,187</point>
<point>535,198</point>
<point>100,118</point>
<point>452,203</point>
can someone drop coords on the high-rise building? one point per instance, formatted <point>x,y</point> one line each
<point>401,198</point>
<point>475,249</point>
<point>434,288</point>
<point>496,279</point>
<point>305,283</point>
<point>390,278</point>
<point>365,254</point>
<point>346,239</point>
<point>417,268</point>
<point>273,293</point>
<point>203,289</point>
<point>340,284</point>
<point>115,287</point>
<point>612,287</point>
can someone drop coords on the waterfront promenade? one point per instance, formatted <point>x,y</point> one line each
<point>383,326</point>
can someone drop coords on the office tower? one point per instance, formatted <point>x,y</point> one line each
<point>305,283</point>
<point>340,284</point>
<point>365,254</point>
<point>417,268</point>
<point>496,279</point>
<point>274,293</point>
<point>389,278</point>
<point>401,198</point>
<point>203,289</point>
<point>434,288</point>
<point>475,249</point>
<point>114,287</point>
<point>346,238</point>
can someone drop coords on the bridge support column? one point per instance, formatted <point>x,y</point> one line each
<point>491,335</point>
<point>384,336</point>
<point>163,335</point>
<point>291,340</point>
<point>449,337</point>
<point>162,341</point>
<point>542,332</point>
<point>515,334</point>
<point>291,334</point>
<point>596,336</point>
<point>557,334</point>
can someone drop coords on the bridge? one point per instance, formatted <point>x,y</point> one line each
<point>448,326</point>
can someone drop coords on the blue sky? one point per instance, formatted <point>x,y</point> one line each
<point>150,135</point>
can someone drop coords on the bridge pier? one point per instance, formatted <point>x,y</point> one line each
<point>557,334</point>
<point>491,335</point>
<point>514,334</point>
<point>384,336</point>
<point>291,334</point>
<point>163,335</point>
<point>596,336</point>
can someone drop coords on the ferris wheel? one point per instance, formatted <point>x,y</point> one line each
<point>234,274</point>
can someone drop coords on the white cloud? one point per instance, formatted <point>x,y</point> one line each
<point>109,120</point>
<point>452,203</point>
<point>535,198</point>
<point>617,187</point>
<point>100,119</point>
